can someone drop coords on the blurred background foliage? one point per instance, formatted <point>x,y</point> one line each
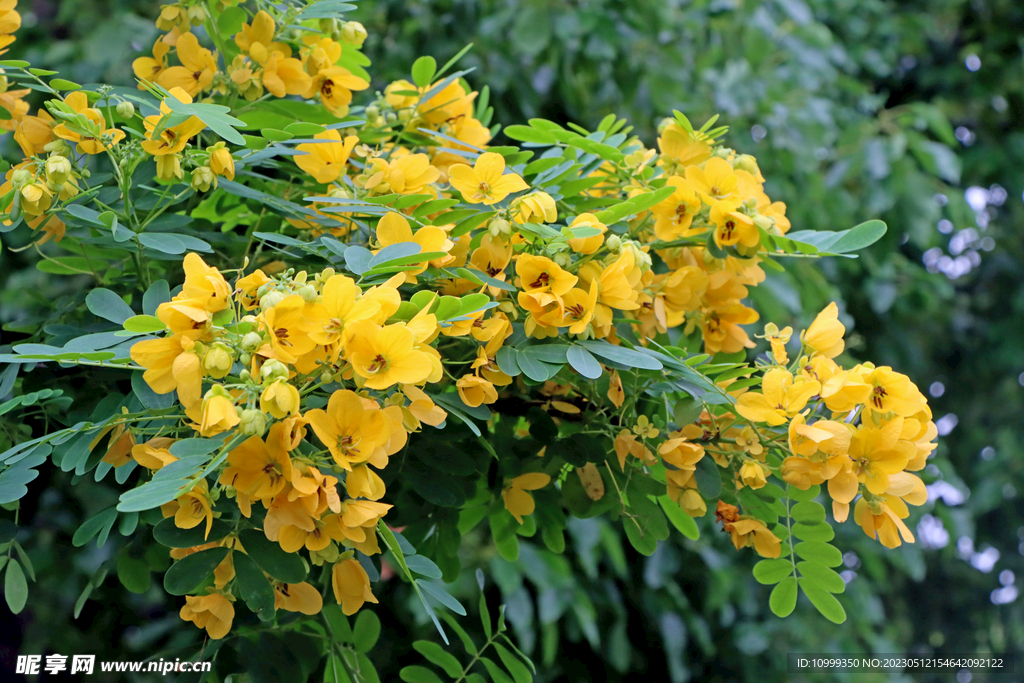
<point>904,110</point>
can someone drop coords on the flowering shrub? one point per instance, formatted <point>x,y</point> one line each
<point>384,323</point>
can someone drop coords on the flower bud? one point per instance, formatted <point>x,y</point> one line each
<point>499,227</point>
<point>196,15</point>
<point>271,299</point>
<point>58,146</point>
<point>21,177</point>
<point>252,341</point>
<point>745,162</point>
<point>614,243</point>
<point>168,167</point>
<point>722,152</point>
<point>764,222</point>
<point>245,358</point>
<point>339,192</point>
<point>353,33</point>
<point>221,161</point>
<point>641,257</point>
<point>244,376</point>
<point>217,362</point>
<point>58,169</point>
<point>252,422</point>
<point>280,399</point>
<point>328,25</point>
<point>307,292</point>
<point>125,109</point>
<point>203,178</point>
<point>274,370</point>
<point>372,112</point>
<point>562,259</point>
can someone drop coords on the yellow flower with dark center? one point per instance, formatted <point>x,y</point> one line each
<point>715,182</point>
<point>517,500</point>
<point>539,274</point>
<point>733,227</point>
<point>298,597</point>
<point>335,86</point>
<point>352,433</point>
<point>196,71</point>
<point>385,356</point>
<point>485,182</point>
<point>257,469</point>
<point>878,452</point>
<point>194,508</point>
<point>150,68</point>
<point>169,140</point>
<point>674,214</point>
<point>893,392</point>
<point>212,612</point>
<point>782,398</point>
<point>288,329</point>
<point>679,150</point>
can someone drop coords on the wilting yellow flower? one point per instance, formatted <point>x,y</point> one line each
<point>351,586</point>
<point>778,340</point>
<point>517,500</point>
<point>883,521</point>
<point>352,433</point>
<point>298,597</point>
<point>782,398</point>
<point>475,390</point>
<point>384,356</point>
<point>197,69</point>
<point>484,182</point>
<point>87,144</point>
<point>170,140</point>
<point>626,444</point>
<point>825,335</point>
<point>213,612</point>
<point>744,530</point>
<point>325,161</point>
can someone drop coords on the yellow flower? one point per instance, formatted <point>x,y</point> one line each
<point>674,214</point>
<point>213,612</point>
<point>280,399</point>
<point>752,474</point>
<point>285,76</point>
<point>733,227</point>
<point>627,444</point>
<point>517,500</point>
<point>87,144</point>
<point>579,307</point>
<point>475,390</point>
<point>171,365</point>
<point>539,274</point>
<point>257,469</point>
<point>351,586</point>
<point>35,198</point>
<point>154,454</point>
<point>256,37</point>
<point>385,356</point>
<point>644,429</point>
<point>825,335</point>
<point>342,303</point>
<point>217,414</point>
<point>168,167</point>
<point>169,140</point>
<point>394,229</point>
<point>778,340</point>
<point>352,433</point>
<point>335,86</point>
<point>680,150</point>
<point>883,521</point>
<point>325,161</point>
<point>197,69</point>
<point>362,482</point>
<point>484,182</point>
<point>150,68</point>
<point>879,452</point>
<point>204,284</point>
<point>782,398</point>
<point>748,530</point>
<point>221,161</point>
<point>538,206</point>
<point>298,597</point>
<point>194,507</point>
<point>288,329</point>
<point>893,392</point>
<point>715,182</point>
<point>587,245</point>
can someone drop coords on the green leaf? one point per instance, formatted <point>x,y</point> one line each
<point>515,666</point>
<point>303,129</point>
<point>287,567</point>
<point>816,532</point>
<point>143,324</point>
<point>783,598</point>
<point>803,496</point>
<point>808,513</point>
<point>709,480</point>
<point>644,543</point>
<point>824,602</point>
<point>109,306</point>
<point>771,572</point>
<point>622,355</point>
<point>162,242</point>
<point>687,411</point>
<point>467,642</point>
<point>423,70</point>
<point>859,237</point>
<point>819,553</point>
<point>423,566</point>
<point>583,362</point>
<point>683,522</point>
<point>495,672</point>
<point>133,574</point>
<point>62,84</point>
<point>185,448</point>
<point>186,574</point>
<point>93,526</point>
<point>366,631</point>
<point>528,134</point>
<point>821,576</point>
<point>15,587</point>
<point>485,615</point>
<point>253,586</point>
<point>438,656</point>
<point>419,674</point>
<point>168,534</point>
